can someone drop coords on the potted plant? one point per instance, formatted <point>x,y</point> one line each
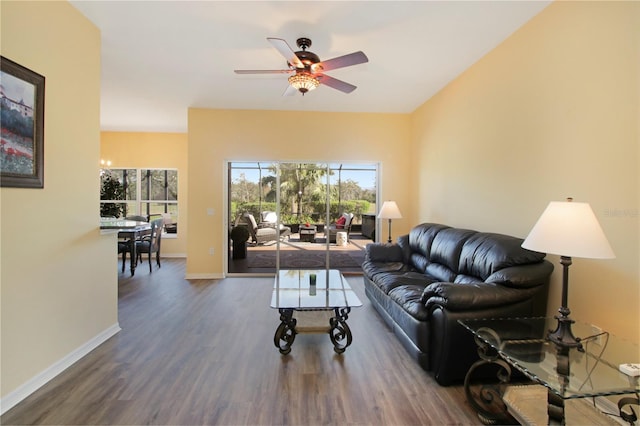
<point>240,235</point>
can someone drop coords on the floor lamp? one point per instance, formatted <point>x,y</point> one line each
<point>570,230</point>
<point>389,211</point>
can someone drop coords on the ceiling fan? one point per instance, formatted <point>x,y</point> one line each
<point>307,68</point>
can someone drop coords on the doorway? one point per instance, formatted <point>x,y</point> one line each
<point>287,211</point>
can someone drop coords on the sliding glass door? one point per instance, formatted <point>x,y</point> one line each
<point>288,215</point>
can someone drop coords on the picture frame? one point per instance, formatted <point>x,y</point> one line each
<point>22,126</point>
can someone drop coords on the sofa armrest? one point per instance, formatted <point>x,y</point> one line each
<point>523,276</point>
<point>403,242</point>
<point>453,347</point>
<point>460,297</point>
<point>386,253</point>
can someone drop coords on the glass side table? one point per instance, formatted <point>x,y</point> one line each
<point>567,373</point>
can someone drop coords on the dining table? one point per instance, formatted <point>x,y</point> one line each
<point>129,231</point>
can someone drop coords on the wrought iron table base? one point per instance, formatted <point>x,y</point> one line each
<point>286,331</point>
<point>487,402</point>
<point>339,331</point>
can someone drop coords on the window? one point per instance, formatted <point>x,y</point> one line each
<point>148,192</point>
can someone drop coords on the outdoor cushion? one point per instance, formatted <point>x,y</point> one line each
<point>269,217</point>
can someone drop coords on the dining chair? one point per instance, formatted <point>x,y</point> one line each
<point>151,243</point>
<point>123,245</point>
<point>124,248</point>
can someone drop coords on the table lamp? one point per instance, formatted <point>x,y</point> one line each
<point>389,211</point>
<point>570,230</point>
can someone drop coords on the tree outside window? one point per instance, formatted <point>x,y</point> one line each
<point>148,192</point>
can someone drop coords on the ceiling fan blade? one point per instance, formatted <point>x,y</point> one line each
<point>286,51</point>
<point>354,58</point>
<point>263,71</point>
<point>334,83</point>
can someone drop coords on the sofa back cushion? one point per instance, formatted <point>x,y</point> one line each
<point>440,272</point>
<point>485,253</point>
<point>465,256</point>
<point>418,245</point>
<point>447,246</point>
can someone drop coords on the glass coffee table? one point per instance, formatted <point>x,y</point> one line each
<point>292,291</point>
<point>566,373</point>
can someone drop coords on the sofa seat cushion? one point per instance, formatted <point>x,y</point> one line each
<point>416,331</point>
<point>376,269</point>
<point>409,297</point>
<point>388,282</point>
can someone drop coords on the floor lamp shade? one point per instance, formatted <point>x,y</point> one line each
<point>389,211</point>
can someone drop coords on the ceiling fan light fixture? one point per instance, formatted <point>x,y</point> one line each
<point>303,82</point>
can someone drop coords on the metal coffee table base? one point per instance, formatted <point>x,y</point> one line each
<point>339,331</point>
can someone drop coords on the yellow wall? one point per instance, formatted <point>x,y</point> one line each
<point>552,112</point>
<point>58,274</point>
<point>219,135</point>
<point>158,151</point>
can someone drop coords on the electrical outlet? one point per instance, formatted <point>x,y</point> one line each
<point>597,331</point>
<point>211,251</point>
<point>630,369</point>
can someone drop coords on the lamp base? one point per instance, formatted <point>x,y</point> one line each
<point>562,336</point>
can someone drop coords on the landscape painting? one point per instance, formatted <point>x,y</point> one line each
<point>22,126</point>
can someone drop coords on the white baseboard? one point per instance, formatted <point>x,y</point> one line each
<point>35,383</point>
<point>174,255</point>
<point>206,276</point>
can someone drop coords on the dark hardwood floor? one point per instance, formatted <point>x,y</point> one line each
<point>201,352</point>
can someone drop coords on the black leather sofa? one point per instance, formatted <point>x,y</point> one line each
<point>436,275</point>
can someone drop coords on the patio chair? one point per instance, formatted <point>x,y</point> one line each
<point>170,226</point>
<point>334,228</point>
<point>263,234</point>
<point>270,219</point>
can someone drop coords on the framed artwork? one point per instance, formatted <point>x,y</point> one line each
<point>22,123</point>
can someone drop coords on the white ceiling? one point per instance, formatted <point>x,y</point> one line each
<point>161,57</point>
